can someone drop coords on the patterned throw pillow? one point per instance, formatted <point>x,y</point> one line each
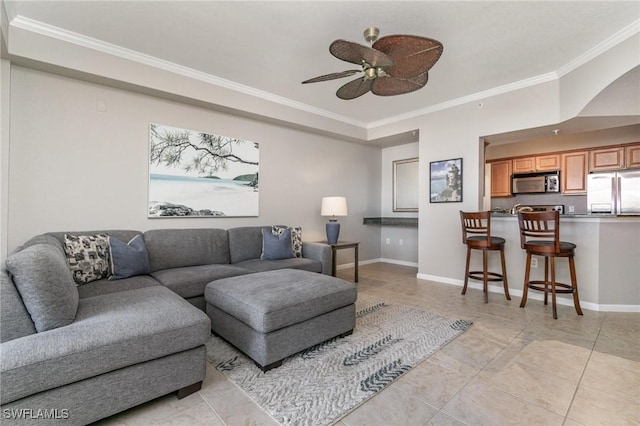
<point>88,256</point>
<point>296,237</point>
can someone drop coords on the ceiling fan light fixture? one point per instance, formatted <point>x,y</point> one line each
<point>370,73</point>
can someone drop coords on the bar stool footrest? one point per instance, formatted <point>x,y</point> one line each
<point>491,276</point>
<point>539,286</point>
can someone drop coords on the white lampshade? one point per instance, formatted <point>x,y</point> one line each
<point>334,206</point>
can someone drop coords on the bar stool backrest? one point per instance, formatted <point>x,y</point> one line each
<point>477,225</point>
<point>540,226</point>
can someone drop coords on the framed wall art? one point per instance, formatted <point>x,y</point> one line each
<point>445,181</point>
<point>198,174</point>
<point>405,185</point>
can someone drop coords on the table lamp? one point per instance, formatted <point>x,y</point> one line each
<point>333,206</point>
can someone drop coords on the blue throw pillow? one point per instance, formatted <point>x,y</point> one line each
<point>129,259</point>
<point>275,247</point>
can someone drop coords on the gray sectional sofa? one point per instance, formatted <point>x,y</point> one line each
<point>105,346</point>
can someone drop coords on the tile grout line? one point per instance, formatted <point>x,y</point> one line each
<point>586,364</point>
<point>215,413</point>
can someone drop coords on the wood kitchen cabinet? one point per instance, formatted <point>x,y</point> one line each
<point>501,178</point>
<point>524,165</point>
<point>606,159</point>
<point>547,162</point>
<point>632,155</point>
<point>540,163</point>
<point>573,174</point>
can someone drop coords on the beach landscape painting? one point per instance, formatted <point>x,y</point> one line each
<point>445,181</point>
<point>198,174</point>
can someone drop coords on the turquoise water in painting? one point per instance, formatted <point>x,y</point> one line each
<point>232,197</point>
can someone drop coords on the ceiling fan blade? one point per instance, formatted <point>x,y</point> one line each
<point>356,53</point>
<point>332,76</point>
<point>354,89</point>
<point>390,86</point>
<point>411,55</point>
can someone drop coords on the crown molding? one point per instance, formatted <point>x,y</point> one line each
<point>61,34</point>
<point>622,35</point>
<point>510,87</point>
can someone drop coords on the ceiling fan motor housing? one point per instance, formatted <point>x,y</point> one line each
<point>371,34</point>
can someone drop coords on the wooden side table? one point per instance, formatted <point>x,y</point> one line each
<point>344,245</point>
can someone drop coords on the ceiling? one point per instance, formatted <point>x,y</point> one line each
<point>270,47</point>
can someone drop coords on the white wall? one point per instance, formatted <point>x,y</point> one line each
<point>403,242</point>
<point>75,168</point>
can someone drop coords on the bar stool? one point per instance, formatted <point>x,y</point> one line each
<point>476,234</point>
<point>533,227</point>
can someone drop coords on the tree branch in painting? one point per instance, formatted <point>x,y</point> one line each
<point>213,152</point>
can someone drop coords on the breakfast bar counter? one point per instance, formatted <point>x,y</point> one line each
<point>607,258</point>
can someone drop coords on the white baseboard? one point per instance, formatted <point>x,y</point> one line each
<point>378,260</point>
<point>532,294</point>
<point>399,262</point>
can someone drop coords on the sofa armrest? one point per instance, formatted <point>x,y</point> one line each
<point>320,252</point>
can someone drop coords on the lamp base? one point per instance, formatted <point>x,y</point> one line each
<point>333,230</point>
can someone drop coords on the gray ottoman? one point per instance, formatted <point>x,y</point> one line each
<point>272,315</point>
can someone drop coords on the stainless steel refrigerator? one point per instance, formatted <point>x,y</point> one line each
<point>614,192</point>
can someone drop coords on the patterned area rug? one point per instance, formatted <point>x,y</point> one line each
<point>322,384</point>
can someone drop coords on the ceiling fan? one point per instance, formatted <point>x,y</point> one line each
<point>393,65</point>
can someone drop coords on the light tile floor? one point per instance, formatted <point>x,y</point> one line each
<point>513,366</point>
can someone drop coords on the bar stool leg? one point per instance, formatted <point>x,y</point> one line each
<point>546,278</point>
<point>525,290</point>
<point>574,284</point>
<point>466,271</point>
<point>504,275</point>
<point>553,287</point>
<point>485,275</point>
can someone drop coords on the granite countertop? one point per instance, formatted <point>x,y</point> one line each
<point>571,215</point>
<point>410,222</point>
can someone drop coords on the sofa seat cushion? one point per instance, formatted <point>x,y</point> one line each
<point>269,301</point>
<point>257,265</point>
<point>110,332</point>
<point>105,286</point>
<point>190,281</point>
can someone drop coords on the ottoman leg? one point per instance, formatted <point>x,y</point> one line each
<point>269,366</point>
<point>348,333</point>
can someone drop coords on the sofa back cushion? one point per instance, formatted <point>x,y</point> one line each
<point>122,235</point>
<point>14,317</point>
<point>42,276</point>
<point>245,243</point>
<point>44,239</point>
<point>176,248</point>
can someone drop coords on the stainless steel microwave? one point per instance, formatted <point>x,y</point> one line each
<point>535,183</point>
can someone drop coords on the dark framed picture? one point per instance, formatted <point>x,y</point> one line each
<point>445,181</point>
